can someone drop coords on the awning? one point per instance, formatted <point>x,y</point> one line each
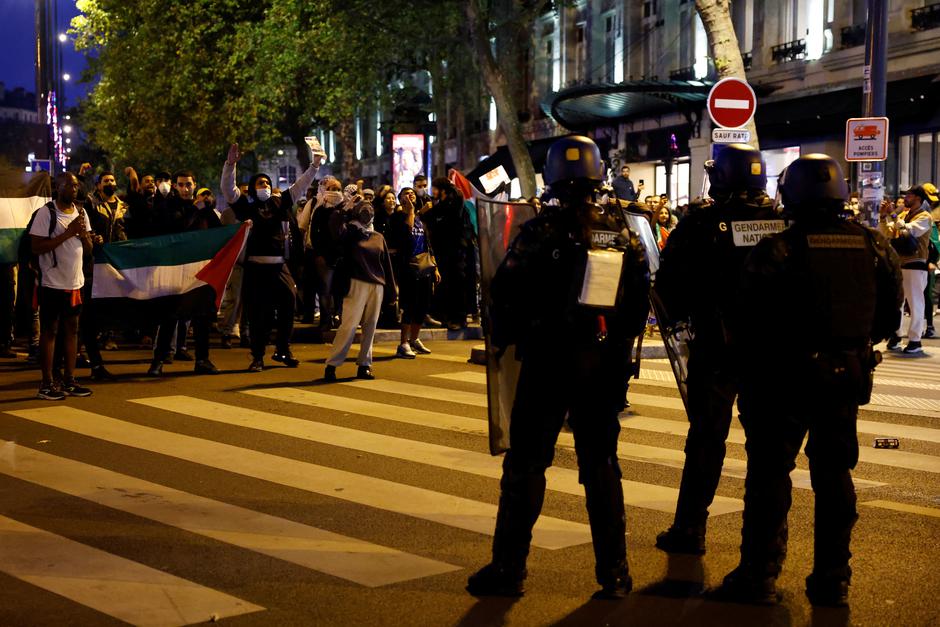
<point>603,104</point>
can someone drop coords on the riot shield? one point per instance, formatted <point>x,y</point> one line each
<point>639,223</point>
<point>499,224</point>
<point>676,334</point>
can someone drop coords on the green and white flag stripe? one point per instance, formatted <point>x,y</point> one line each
<point>179,249</point>
<point>14,214</point>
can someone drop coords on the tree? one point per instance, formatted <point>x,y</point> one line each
<point>520,16</point>
<point>723,43</point>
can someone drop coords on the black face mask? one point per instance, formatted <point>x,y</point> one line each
<point>108,190</point>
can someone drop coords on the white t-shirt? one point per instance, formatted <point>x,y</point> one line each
<point>67,273</point>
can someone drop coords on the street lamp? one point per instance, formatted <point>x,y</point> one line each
<point>66,77</point>
<point>67,129</point>
<point>63,37</point>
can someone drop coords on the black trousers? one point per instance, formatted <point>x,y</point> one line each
<point>775,422</point>
<point>88,325</point>
<point>270,297</point>
<point>711,394</point>
<point>168,326</point>
<point>6,303</point>
<point>586,384</point>
<point>451,295</point>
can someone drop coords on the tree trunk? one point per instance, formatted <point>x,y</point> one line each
<point>347,143</point>
<point>723,43</point>
<point>499,89</point>
<point>300,145</point>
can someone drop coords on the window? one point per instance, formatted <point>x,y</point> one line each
<point>580,54</point>
<point>286,174</point>
<point>905,162</point>
<point>776,161</point>
<point>679,192</point>
<point>925,157</point>
<point>610,47</point>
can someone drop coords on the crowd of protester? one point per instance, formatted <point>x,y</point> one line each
<point>341,257</point>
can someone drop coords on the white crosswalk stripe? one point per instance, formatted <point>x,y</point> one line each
<point>112,585</point>
<point>895,458</point>
<point>341,556</point>
<point>559,479</point>
<point>140,594</point>
<point>549,533</point>
<point>635,492</point>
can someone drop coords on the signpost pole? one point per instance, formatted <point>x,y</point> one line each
<point>871,174</point>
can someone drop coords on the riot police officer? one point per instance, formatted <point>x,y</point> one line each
<point>815,297</point>
<point>696,282</point>
<point>572,336</point>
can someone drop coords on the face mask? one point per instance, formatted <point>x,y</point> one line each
<point>365,216</point>
<point>164,187</point>
<point>263,194</point>
<point>331,199</point>
<point>108,190</point>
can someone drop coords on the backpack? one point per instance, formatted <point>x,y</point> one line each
<point>25,255</point>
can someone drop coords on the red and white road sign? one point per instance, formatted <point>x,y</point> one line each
<point>731,103</point>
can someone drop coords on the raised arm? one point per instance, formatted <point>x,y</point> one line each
<point>230,190</point>
<point>304,180</point>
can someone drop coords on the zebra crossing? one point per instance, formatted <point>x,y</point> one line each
<point>141,594</point>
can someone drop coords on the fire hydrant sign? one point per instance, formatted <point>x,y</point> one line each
<point>866,139</point>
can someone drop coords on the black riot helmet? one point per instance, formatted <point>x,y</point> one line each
<point>813,181</point>
<point>574,158</point>
<point>738,168</point>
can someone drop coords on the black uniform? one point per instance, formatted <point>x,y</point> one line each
<point>269,288</point>
<point>574,361</point>
<point>814,297</point>
<point>697,280</point>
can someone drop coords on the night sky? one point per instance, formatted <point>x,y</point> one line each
<point>17,29</point>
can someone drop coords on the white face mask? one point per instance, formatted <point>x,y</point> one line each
<point>263,194</point>
<point>164,188</point>
<point>331,199</point>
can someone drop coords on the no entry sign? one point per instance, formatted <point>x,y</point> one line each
<point>731,103</point>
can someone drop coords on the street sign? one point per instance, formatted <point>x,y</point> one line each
<point>866,139</point>
<point>41,165</point>
<point>731,103</point>
<point>731,135</point>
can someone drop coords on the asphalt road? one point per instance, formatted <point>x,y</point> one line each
<point>274,499</point>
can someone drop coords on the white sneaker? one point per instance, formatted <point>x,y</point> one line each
<point>404,351</point>
<point>419,347</point>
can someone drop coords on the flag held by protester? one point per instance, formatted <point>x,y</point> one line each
<point>16,206</point>
<point>182,274</point>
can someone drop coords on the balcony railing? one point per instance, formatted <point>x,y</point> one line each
<point>790,51</point>
<point>683,74</point>
<point>925,18</point>
<point>853,36</point>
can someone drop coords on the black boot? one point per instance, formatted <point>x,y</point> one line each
<point>827,592</point>
<point>520,503</point>
<point>497,581</point>
<point>685,540</point>
<point>746,584</point>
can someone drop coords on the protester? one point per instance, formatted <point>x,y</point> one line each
<point>326,250</point>
<point>176,213</point>
<point>451,237</point>
<point>623,186</point>
<point>407,236</point>
<point>61,238</point>
<point>269,287</point>
<point>371,283</point>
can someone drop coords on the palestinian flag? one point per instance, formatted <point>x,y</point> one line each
<point>16,207</point>
<point>183,274</point>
